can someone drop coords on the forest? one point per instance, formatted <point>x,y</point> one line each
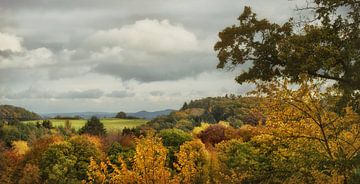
<point>301,124</point>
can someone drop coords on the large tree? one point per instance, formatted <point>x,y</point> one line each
<point>325,47</point>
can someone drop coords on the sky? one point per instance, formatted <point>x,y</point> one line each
<point>118,55</point>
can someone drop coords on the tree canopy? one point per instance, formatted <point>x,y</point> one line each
<point>325,47</point>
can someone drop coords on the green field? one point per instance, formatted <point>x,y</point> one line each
<point>109,123</point>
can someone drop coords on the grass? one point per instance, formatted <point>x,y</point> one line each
<point>109,123</point>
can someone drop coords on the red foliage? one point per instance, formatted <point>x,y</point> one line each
<point>216,133</point>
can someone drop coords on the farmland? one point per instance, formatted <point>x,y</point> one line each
<point>109,123</point>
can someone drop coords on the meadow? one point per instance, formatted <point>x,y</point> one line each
<point>109,123</point>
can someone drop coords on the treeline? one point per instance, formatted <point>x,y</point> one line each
<point>236,110</point>
<point>68,117</point>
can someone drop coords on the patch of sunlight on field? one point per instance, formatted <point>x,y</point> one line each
<point>109,123</point>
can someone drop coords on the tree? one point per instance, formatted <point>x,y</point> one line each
<point>93,127</point>
<point>193,162</point>
<point>185,106</point>
<point>311,137</point>
<point>325,48</point>
<point>121,115</point>
<point>47,124</point>
<point>149,161</point>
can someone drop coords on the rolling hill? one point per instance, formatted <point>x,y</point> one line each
<point>11,113</point>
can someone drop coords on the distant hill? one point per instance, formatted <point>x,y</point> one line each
<point>87,115</point>
<point>150,115</point>
<point>11,113</point>
<point>84,115</point>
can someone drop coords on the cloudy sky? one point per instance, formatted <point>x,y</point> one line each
<point>112,55</point>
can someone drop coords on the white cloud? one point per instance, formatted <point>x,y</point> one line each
<point>28,59</point>
<point>10,42</point>
<point>148,35</point>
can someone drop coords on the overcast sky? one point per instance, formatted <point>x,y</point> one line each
<point>118,55</point>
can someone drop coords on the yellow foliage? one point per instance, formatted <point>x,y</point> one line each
<point>149,161</point>
<point>202,127</point>
<point>302,118</point>
<point>95,140</point>
<point>20,148</point>
<point>148,166</point>
<point>122,175</point>
<point>193,162</point>
<point>224,123</point>
<point>98,173</point>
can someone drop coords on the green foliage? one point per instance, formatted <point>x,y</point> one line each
<point>21,131</point>
<point>184,124</point>
<point>67,161</point>
<point>93,127</point>
<point>173,139</point>
<point>126,154</point>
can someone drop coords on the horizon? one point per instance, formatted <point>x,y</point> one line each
<point>104,111</point>
<point>92,56</point>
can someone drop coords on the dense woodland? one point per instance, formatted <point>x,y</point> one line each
<point>295,127</point>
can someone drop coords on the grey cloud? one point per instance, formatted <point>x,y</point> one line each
<point>33,93</point>
<point>90,94</point>
<point>59,24</point>
<point>63,27</point>
<point>157,93</point>
<point>28,94</point>
<point>120,94</point>
<point>161,69</point>
<point>56,73</point>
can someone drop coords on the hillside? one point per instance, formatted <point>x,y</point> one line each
<point>235,110</point>
<point>10,113</point>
